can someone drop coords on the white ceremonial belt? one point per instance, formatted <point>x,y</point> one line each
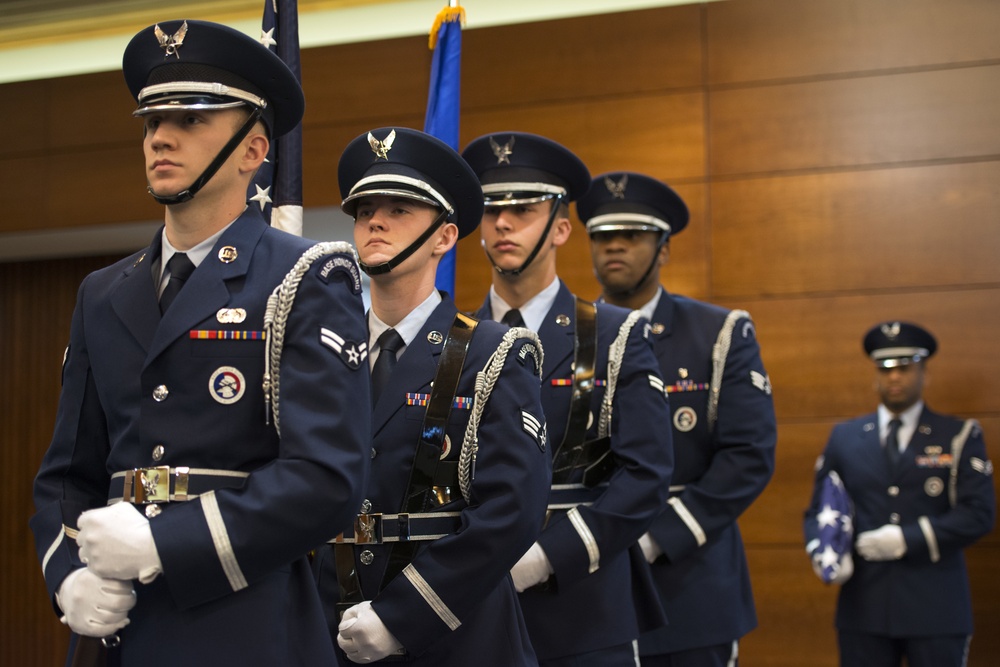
<point>163,484</point>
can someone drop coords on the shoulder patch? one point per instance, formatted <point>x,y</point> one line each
<point>342,265</point>
<point>352,353</point>
<point>529,349</point>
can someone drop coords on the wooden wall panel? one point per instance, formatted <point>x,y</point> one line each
<point>92,112</point>
<point>812,350</point>
<point>614,133</point>
<point>23,117</point>
<point>857,121</point>
<point>779,39</point>
<point>855,230</point>
<point>583,57</point>
<point>794,612</point>
<point>360,84</point>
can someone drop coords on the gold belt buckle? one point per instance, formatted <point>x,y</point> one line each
<point>368,529</point>
<point>148,485</point>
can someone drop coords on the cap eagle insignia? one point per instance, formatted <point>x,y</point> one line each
<point>890,330</point>
<point>170,43</point>
<point>504,152</point>
<point>617,190</point>
<point>382,148</point>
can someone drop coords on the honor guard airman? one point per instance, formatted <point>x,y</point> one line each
<point>921,487</point>
<point>460,467</point>
<point>208,433</point>
<point>586,590</point>
<point>722,418</point>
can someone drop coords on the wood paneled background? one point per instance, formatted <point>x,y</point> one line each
<point>840,159</point>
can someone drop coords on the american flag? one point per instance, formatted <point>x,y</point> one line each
<point>835,525</point>
<point>277,187</point>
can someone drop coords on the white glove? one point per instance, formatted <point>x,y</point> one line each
<point>363,635</point>
<point>650,549</point>
<point>885,543</point>
<point>839,575</point>
<point>116,542</point>
<point>93,606</point>
<point>533,568</point>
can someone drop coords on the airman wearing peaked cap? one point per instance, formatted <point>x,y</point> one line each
<point>723,421</point>
<point>585,592</point>
<point>211,487</point>
<point>460,465</point>
<point>920,490</point>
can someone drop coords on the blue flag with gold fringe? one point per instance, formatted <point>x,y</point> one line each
<point>443,96</point>
<point>277,186</point>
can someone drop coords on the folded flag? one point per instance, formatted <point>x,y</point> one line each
<point>836,526</point>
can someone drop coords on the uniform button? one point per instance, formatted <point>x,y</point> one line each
<point>160,393</point>
<point>158,452</point>
<point>894,491</point>
<point>367,557</point>
<point>366,506</point>
<point>893,518</point>
<point>374,453</point>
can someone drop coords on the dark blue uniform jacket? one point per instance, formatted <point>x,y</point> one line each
<point>941,495</point>
<point>455,603</point>
<point>236,586</point>
<point>601,594</point>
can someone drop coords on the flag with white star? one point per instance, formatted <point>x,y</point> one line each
<point>836,526</point>
<point>277,187</point>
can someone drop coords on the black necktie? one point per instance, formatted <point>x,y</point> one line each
<point>389,343</point>
<point>180,268</point>
<point>512,318</point>
<point>892,443</point>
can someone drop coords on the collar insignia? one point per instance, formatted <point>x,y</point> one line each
<point>382,148</point>
<point>504,152</point>
<point>891,330</point>
<point>617,190</point>
<point>171,43</point>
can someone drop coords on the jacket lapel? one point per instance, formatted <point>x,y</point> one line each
<point>134,298</point>
<point>557,339</point>
<point>206,290</point>
<point>416,366</point>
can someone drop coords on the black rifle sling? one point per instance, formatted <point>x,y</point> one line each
<point>569,456</point>
<point>419,495</point>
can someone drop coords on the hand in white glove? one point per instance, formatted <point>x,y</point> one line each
<point>117,543</point>
<point>650,549</point>
<point>363,635</point>
<point>533,568</point>
<point>885,543</point>
<point>839,573</point>
<point>94,606</point>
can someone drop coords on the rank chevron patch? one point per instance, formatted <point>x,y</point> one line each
<point>534,428</point>
<point>352,353</point>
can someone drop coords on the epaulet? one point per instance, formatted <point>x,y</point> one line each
<point>616,353</point>
<point>279,306</point>
<point>485,381</point>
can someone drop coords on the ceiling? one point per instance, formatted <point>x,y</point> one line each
<point>26,22</point>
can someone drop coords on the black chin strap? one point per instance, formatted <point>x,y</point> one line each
<point>386,267</point>
<point>538,246</point>
<point>664,237</point>
<point>199,183</point>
